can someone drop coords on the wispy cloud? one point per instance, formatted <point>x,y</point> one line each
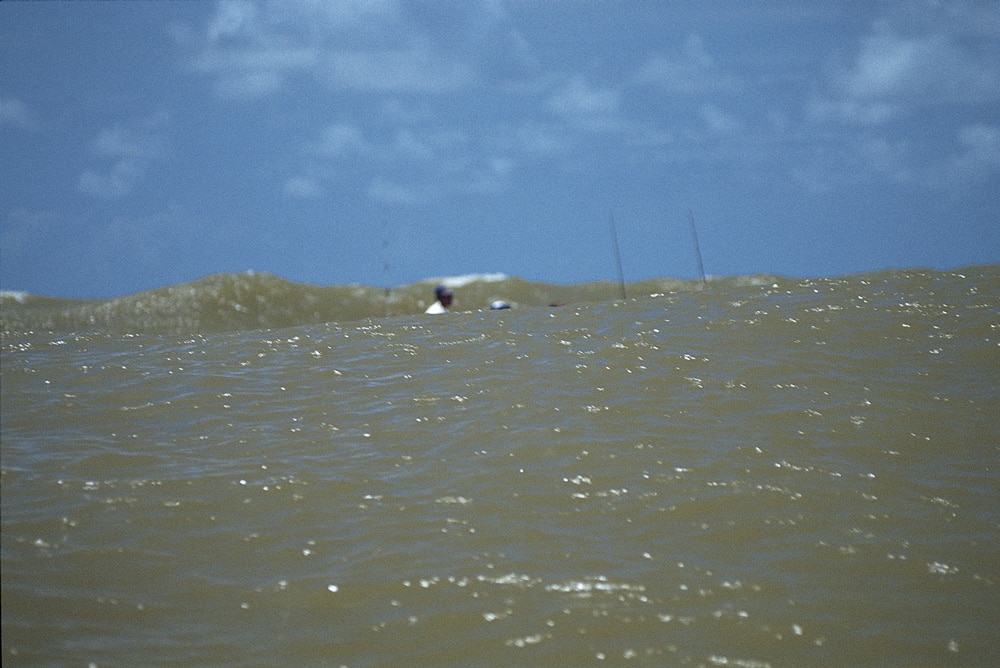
<point>252,51</point>
<point>124,154</point>
<point>586,105</point>
<point>980,146</point>
<point>849,111</point>
<point>303,187</point>
<point>405,165</point>
<point>971,160</point>
<point>691,72</point>
<point>413,70</point>
<point>718,121</point>
<point>339,139</point>
<point>410,194</point>
<point>974,161</point>
<point>535,139</point>
<point>920,70</point>
<point>384,58</point>
<point>14,113</point>
<point>874,112</point>
<point>404,129</point>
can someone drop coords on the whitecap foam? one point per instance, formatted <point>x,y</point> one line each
<point>19,297</point>
<point>462,281</point>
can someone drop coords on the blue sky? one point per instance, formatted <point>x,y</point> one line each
<point>386,141</point>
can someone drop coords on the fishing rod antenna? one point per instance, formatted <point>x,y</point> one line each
<point>697,249</point>
<point>385,267</point>
<point>618,255</point>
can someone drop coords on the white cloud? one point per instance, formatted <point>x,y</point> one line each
<point>406,144</point>
<point>537,139</point>
<point>692,72</point>
<point>113,183</point>
<point>886,116</point>
<point>394,111</point>
<point>232,18</point>
<point>580,98</point>
<point>250,85</point>
<point>889,158</point>
<point>327,17</point>
<point>122,142</point>
<point>982,142</point>
<point>303,187</point>
<point>388,67</point>
<point>339,139</point>
<point>15,113</point>
<point>849,111</point>
<point>586,106</point>
<point>922,70</point>
<point>399,71</point>
<point>977,159</point>
<point>389,192</point>
<point>253,50</point>
<point>493,177</point>
<point>408,166</point>
<point>256,58</point>
<point>974,159</point>
<point>131,149</point>
<point>718,121</point>
<point>253,72</point>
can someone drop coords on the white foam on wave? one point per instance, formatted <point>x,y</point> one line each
<point>462,281</point>
<point>19,297</point>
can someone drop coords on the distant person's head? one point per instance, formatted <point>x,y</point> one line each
<point>443,295</point>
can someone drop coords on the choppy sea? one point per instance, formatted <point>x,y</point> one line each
<point>762,471</point>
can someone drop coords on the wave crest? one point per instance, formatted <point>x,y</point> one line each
<point>257,300</point>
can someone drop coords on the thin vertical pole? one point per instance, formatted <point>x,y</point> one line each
<point>618,255</point>
<point>697,248</point>
<point>385,266</point>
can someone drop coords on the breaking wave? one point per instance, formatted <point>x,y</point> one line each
<point>255,300</point>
